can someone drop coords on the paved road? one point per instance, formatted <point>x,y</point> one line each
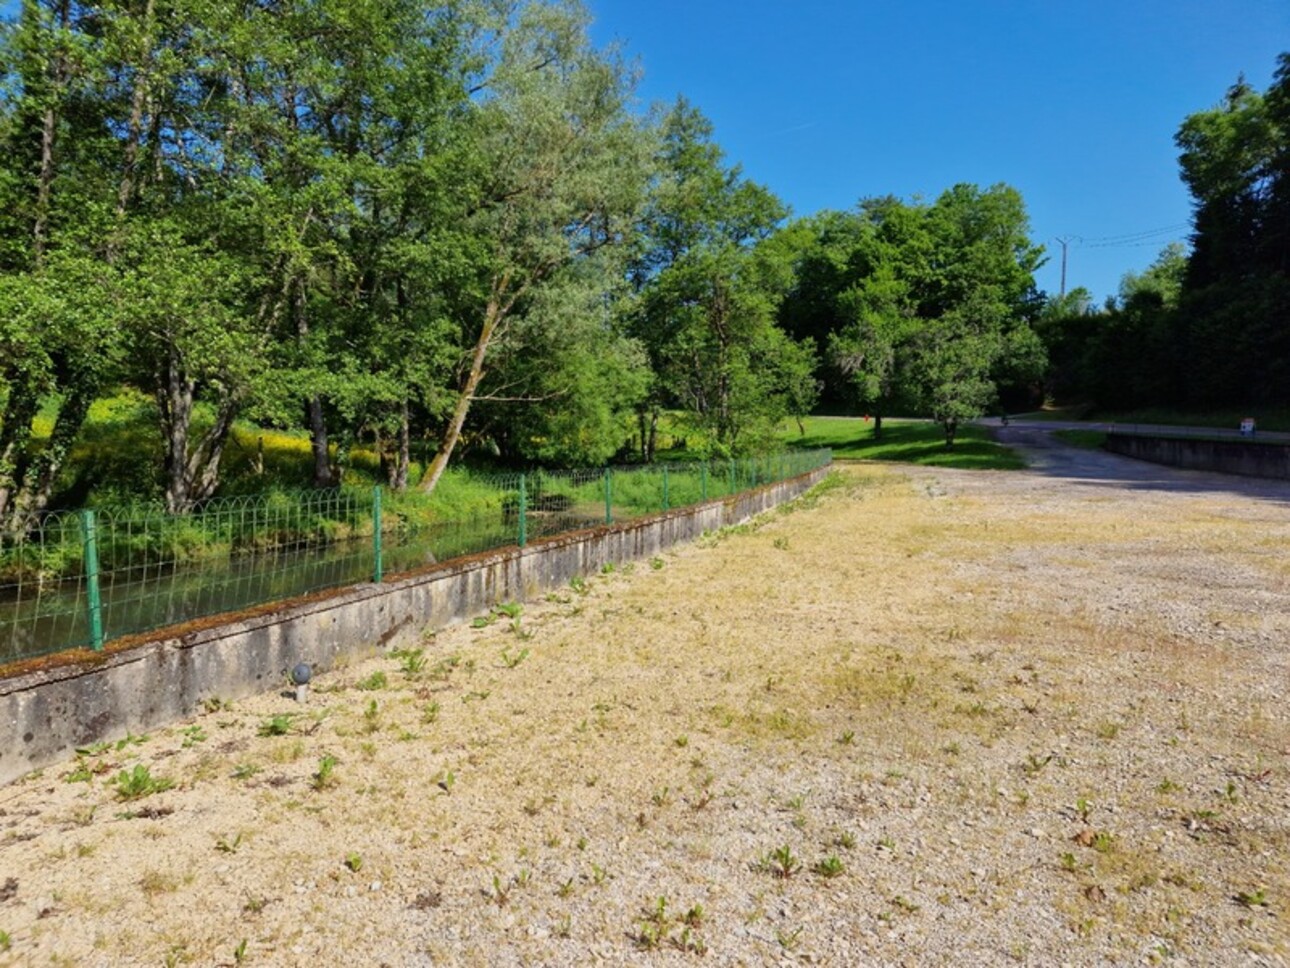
<point>1051,456</point>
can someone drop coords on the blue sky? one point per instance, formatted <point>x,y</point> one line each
<point>1075,104</point>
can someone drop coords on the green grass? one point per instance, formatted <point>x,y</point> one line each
<point>905,441</point>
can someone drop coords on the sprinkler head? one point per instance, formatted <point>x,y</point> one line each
<point>301,674</point>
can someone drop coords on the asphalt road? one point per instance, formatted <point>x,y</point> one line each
<point>1049,455</point>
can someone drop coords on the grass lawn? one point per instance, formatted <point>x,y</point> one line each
<point>1088,439</point>
<point>905,441</point>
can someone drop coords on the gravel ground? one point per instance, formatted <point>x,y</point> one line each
<point>926,717</point>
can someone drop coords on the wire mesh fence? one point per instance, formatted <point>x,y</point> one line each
<point>79,578</point>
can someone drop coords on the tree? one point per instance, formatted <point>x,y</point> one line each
<point>709,284</point>
<point>565,166</point>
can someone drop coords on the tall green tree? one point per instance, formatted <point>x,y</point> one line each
<point>565,164</point>
<point>709,284</point>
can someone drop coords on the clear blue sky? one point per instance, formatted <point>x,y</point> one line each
<point>1075,104</point>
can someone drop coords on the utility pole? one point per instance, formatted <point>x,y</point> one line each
<point>1064,242</point>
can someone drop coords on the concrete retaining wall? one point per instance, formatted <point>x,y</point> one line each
<point>45,715</point>
<point>1247,457</point>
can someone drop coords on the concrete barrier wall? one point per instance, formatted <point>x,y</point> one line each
<point>44,715</point>
<point>1247,457</point>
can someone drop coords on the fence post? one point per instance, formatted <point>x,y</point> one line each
<point>703,481</point>
<point>378,569</point>
<point>609,496</point>
<point>93,596</point>
<point>665,502</point>
<point>524,513</point>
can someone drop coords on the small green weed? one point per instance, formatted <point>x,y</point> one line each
<point>354,861</point>
<point>377,680</point>
<point>511,661</point>
<point>326,775</point>
<point>279,725</point>
<point>781,862</point>
<point>830,866</point>
<point>139,782</point>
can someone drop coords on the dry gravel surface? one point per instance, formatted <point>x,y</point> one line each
<point>920,717</point>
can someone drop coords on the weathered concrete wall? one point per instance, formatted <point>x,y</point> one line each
<point>1248,457</point>
<point>44,715</point>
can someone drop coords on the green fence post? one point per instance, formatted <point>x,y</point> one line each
<point>665,502</point>
<point>93,597</point>
<point>703,481</point>
<point>609,496</point>
<point>524,513</point>
<point>378,569</point>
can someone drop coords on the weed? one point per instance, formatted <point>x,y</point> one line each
<point>582,843</point>
<point>354,862</point>
<point>1168,786</point>
<point>193,735</point>
<point>682,741</point>
<point>848,737</point>
<point>846,840</point>
<point>479,696</point>
<point>83,772</point>
<point>372,717</point>
<point>139,782</point>
<point>483,621</point>
<point>579,584</point>
<point>1103,842</point>
<point>1068,862</point>
<point>565,889</point>
<point>325,777</point>
<point>412,662</point>
<point>657,563</point>
<point>608,568</point>
<point>564,928</point>
<point>886,843</point>
<point>1083,808</point>
<point>906,905</point>
<point>447,780</point>
<point>511,661</point>
<point>501,895</point>
<point>662,798</point>
<point>781,862</point>
<point>1108,730</point>
<point>788,939</point>
<point>1034,765</point>
<point>829,866</point>
<point>244,771</point>
<point>1229,792</point>
<point>6,942</point>
<point>377,680</point>
<point>780,544</point>
<point>239,953</point>
<point>279,725</point>
<point>1252,899</point>
<point>598,874</point>
<point>429,713</point>
<point>226,846</point>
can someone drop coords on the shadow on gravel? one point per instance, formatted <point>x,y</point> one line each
<point>1049,455</point>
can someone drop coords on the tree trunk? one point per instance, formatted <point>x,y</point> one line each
<point>191,477</point>
<point>877,426</point>
<point>399,469</point>
<point>48,134</point>
<point>499,304</point>
<point>951,428</point>
<point>15,436</point>
<point>323,476</point>
<point>37,487</point>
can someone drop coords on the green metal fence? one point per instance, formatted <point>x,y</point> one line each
<point>80,578</point>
